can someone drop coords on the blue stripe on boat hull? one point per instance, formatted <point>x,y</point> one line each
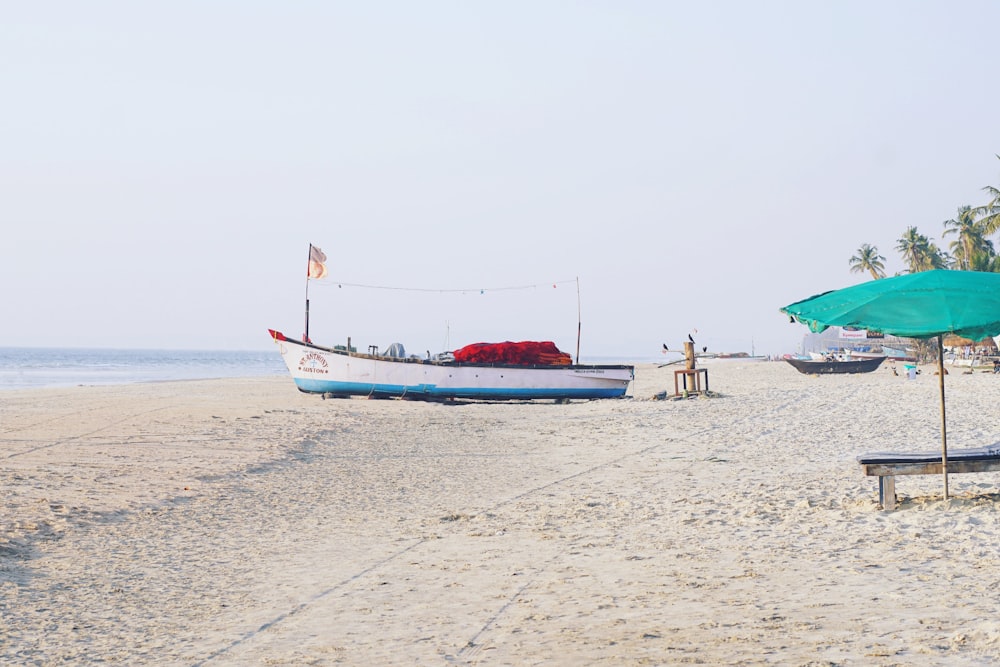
<point>432,391</point>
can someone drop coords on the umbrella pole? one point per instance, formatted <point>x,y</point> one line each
<point>944,430</point>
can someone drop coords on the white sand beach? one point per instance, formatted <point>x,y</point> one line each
<point>240,522</point>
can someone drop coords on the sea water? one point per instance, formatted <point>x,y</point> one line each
<point>28,368</point>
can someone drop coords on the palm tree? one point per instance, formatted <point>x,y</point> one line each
<point>936,258</point>
<point>989,214</point>
<point>971,249</point>
<point>868,260</point>
<point>911,247</point>
<point>919,252</point>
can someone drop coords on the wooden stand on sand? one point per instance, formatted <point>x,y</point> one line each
<point>690,371</point>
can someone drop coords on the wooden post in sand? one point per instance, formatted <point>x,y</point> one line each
<point>689,359</point>
<point>944,428</point>
<point>689,373</point>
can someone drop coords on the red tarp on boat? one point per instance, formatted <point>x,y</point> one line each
<point>524,353</point>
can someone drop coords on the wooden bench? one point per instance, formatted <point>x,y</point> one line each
<point>886,465</point>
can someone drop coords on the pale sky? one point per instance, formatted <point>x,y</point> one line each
<point>164,166</point>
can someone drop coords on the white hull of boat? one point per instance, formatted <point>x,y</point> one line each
<point>729,360</point>
<point>854,354</point>
<point>320,370</point>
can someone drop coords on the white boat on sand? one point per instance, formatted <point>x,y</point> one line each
<point>527,370</point>
<point>338,372</point>
<point>731,356</point>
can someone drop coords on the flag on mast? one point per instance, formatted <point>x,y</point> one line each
<point>317,268</point>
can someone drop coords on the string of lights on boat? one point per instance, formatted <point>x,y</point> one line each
<point>481,290</point>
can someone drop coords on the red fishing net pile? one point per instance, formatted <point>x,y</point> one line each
<point>525,353</point>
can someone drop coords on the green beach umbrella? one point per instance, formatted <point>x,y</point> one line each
<point>928,304</point>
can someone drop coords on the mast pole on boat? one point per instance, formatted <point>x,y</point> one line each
<point>305,336</point>
<point>578,319</point>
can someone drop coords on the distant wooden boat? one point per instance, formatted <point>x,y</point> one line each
<point>810,366</point>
